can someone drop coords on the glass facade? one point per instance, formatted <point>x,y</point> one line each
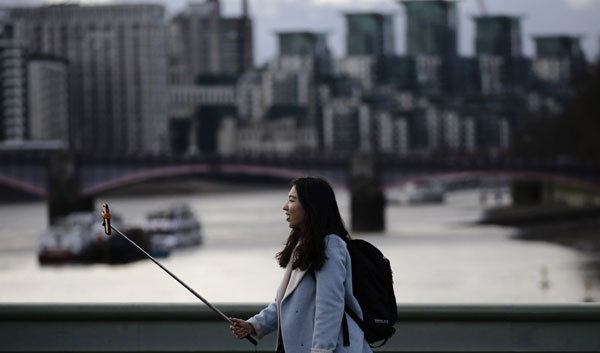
<point>369,34</point>
<point>558,47</point>
<point>431,27</point>
<point>498,36</point>
<point>301,43</point>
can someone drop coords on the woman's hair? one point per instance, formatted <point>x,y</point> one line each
<point>322,217</point>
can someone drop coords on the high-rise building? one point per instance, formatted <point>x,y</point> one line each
<point>200,32</point>
<point>362,68</point>
<point>237,54</point>
<point>117,72</point>
<point>306,44</point>
<point>203,43</point>
<point>560,46</point>
<point>48,99</point>
<point>417,73</point>
<point>432,29</point>
<point>13,93</point>
<point>498,36</point>
<point>498,48</point>
<point>290,79</point>
<point>341,125</point>
<point>301,43</point>
<point>369,34</point>
<point>558,58</point>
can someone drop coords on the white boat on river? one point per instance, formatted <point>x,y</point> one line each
<point>71,237</point>
<point>173,227</point>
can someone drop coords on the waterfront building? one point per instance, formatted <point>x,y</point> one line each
<point>203,42</point>
<point>450,131</point>
<point>558,59</point>
<point>117,72</point>
<point>491,74</point>
<point>421,73</point>
<point>290,79</point>
<point>487,124</point>
<point>369,34</point>
<point>467,133</point>
<point>498,35</point>
<point>281,136</point>
<point>498,40</point>
<point>199,28</point>
<point>432,29</point>
<point>301,43</point>
<point>341,125</point>
<point>492,132</point>
<point>184,100</point>
<point>177,66</point>
<point>420,128</point>
<point>48,99</point>
<point>361,68</point>
<point>400,136</point>
<point>227,140</point>
<point>250,97</point>
<point>537,101</point>
<point>196,110</point>
<point>13,81</point>
<point>237,53</point>
<point>390,133</point>
<point>205,125</point>
<point>369,38</point>
<point>306,44</point>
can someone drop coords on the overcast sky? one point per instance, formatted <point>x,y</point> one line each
<point>572,17</point>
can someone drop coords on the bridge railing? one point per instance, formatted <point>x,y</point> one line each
<point>193,328</point>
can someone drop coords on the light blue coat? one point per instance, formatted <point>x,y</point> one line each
<point>311,313</point>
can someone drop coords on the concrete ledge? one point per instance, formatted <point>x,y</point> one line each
<point>194,328</point>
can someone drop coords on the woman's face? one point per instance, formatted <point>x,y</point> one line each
<point>294,212</point>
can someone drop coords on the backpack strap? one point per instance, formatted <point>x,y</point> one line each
<point>355,317</point>
<point>345,331</point>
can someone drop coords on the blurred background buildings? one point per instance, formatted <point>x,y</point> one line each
<point>125,79</point>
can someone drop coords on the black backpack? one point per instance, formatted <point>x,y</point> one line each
<point>372,285</point>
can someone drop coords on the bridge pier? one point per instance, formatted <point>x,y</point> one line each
<point>63,186</point>
<point>367,200</point>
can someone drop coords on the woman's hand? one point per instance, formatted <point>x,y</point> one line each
<point>241,328</point>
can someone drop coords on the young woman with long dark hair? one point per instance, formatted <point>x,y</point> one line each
<point>317,284</point>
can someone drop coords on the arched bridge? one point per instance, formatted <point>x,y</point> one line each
<point>70,181</point>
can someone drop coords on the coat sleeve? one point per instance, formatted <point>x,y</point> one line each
<point>265,322</point>
<point>330,293</point>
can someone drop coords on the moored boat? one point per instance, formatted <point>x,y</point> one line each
<point>173,227</point>
<point>68,240</point>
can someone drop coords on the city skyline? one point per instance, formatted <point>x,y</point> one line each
<point>420,99</point>
<point>577,17</point>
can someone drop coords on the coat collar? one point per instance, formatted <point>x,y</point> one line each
<point>295,279</point>
<point>291,279</point>
<point>289,282</point>
<point>284,283</point>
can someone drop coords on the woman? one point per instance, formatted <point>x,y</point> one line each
<point>317,283</point>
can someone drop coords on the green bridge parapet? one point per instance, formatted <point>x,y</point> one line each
<point>194,328</point>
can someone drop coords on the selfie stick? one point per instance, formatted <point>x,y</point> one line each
<point>107,230</point>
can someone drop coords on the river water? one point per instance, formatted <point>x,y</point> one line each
<point>437,254</point>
